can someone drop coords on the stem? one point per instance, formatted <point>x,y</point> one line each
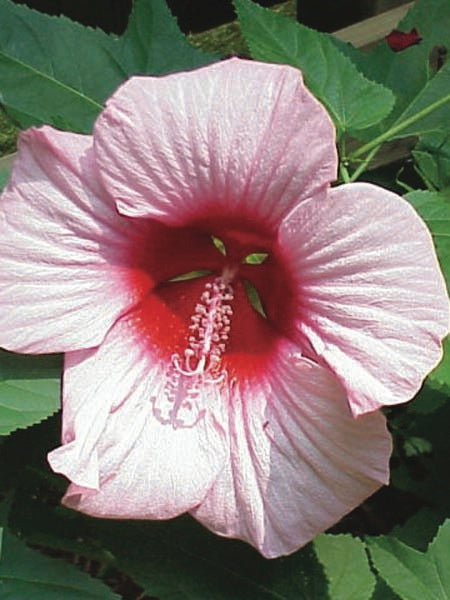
<point>425,179</point>
<point>345,176</point>
<point>363,165</point>
<point>408,189</point>
<point>393,131</point>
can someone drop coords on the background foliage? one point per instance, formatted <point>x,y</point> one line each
<point>55,71</point>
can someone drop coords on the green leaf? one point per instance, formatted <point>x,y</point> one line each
<point>415,445</point>
<point>422,96</point>
<point>39,522</point>
<point>426,476</point>
<point>429,110</point>
<point>406,73</point>
<point>181,560</point>
<point>383,592</point>
<point>432,19</point>
<point>8,135</point>
<point>439,378</point>
<point>419,530</point>
<point>434,208</point>
<point>428,399</point>
<point>53,70</point>
<point>172,560</point>
<point>425,114</point>
<point>4,176</point>
<point>153,43</point>
<point>25,573</point>
<point>353,101</point>
<point>346,566</point>
<point>29,389</point>
<point>414,575</point>
<point>432,158</point>
<point>20,466</point>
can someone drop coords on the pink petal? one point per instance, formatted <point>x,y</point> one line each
<point>61,248</point>
<point>239,136</point>
<point>373,303</point>
<point>299,461</point>
<point>122,461</point>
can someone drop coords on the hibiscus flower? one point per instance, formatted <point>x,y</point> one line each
<point>231,323</point>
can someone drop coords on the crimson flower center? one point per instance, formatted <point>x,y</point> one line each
<point>217,305</point>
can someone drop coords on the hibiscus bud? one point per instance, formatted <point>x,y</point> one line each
<point>400,40</point>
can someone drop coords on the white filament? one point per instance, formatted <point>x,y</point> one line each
<point>191,375</point>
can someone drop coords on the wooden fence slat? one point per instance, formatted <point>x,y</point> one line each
<point>373,29</point>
